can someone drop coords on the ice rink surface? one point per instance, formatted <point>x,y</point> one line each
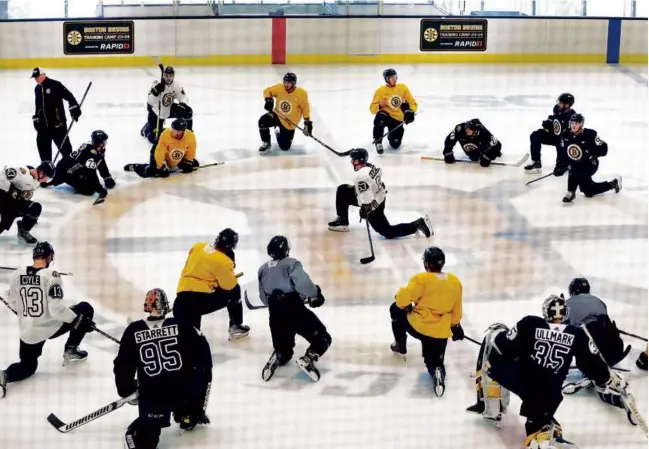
<point>511,246</point>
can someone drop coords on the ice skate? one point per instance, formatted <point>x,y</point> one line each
<point>25,236</point>
<point>399,349</point>
<point>534,167</point>
<point>72,354</point>
<point>307,364</point>
<point>617,184</point>
<point>641,362</point>
<point>238,331</point>
<point>264,149</point>
<point>274,362</point>
<point>439,382</point>
<point>129,167</point>
<point>569,197</point>
<point>3,384</point>
<point>339,225</point>
<point>425,226</point>
<point>379,147</point>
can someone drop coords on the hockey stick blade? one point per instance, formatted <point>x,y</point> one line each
<point>65,428</point>
<point>366,260</point>
<point>538,179</point>
<point>99,200</point>
<point>249,304</point>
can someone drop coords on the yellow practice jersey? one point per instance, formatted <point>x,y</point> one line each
<point>394,97</point>
<point>206,269</point>
<point>437,300</point>
<point>171,151</point>
<point>293,105</point>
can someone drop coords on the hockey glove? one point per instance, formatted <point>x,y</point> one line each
<point>186,166</point>
<point>458,332</point>
<point>449,158</point>
<point>75,112</point>
<point>269,104</point>
<point>318,300</point>
<point>308,128</point>
<point>365,211</point>
<point>37,122</point>
<point>109,182</point>
<point>158,89</point>
<point>560,169</point>
<point>408,117</point>
<point>83,324</point>
<point>485,161</point>
<point>547,125</point>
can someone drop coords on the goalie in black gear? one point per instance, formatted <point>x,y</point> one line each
<point>532,360</point>
<point>285,287</point>
<point>173,363</point>
<point>476,141</point>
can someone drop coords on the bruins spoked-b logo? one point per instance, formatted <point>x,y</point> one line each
<point>430,34</point>
<point>177,154</point>
<point>469,147</point>
<point>575,152</point>
<point>74,37</point>
<point>395,101</point>
<point>167,99</point>
<point>556,127</point>
<point>285,107</point>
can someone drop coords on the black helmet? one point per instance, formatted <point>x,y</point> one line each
<point>387,73</point>
<point>290,77</point>
<point>278,247</point>
<point>566,98</point>
<point>434,258</point>
<point>180,124</point>
<point>555,308</point>
<point>474,124</point>
<point>227,239</point>
<point>98,137</point>
<point>44,250</point>
<point>156,303</point>
<point>47,169</point>
<point>578,286</point>
<point>359,154</point>
<point>169,70</point>
<point>578,118</point>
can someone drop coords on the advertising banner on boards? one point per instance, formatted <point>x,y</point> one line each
<point>115,37</point>
<point>453,35</point>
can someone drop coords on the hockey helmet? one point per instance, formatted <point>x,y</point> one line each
<point>578,118</point>
<point>387,73</point>
<point>290,77</point>
<point>180,124</point>
<point>278,247</point>
<point>566,98</point>
<point>227,239</point>
<point>156,303</point>
<point>169,70</point>
<point>555,308</point>
<point>99,137</point>
<point>434,258</point>
<point>47,169</point>
<point>359,154</point>
<point>578,286</point>
<point>474,124</point>
<point>43,250</point>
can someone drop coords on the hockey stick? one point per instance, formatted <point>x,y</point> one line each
<point>249,304</point>
<point>627,398</point>
<point>65,428</point>
<point>538,179</point>
<point>629,334</point>
<point>212,164</point>
<point>162,79</point>
<point>14,269</point>
<point>520,162</point>
<point>71,124</point>
<point>337,153</point>
<point>375,141</point>
<point>369,259</point>
<point>472,340</point>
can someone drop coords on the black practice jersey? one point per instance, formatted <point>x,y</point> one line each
<point>551,348</point>
<point>559,121</point>
<point>481,140</point>
<point>48,99</point>
<point>164,354</point>
<point>86,159</point>
<point>583,148</point>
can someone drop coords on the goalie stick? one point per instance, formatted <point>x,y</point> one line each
<point>65,428</point>
<point>518,163</point>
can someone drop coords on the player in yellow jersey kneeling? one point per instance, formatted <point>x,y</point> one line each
<point>429,308</point>
<point>176,149</point>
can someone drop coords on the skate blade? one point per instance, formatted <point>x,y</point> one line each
<point>535,171</point>
<point>339,228</point>
<point>232,337</point>
<point>67,362</point>
<point>312,375</point>
<point>401,356</point>
<point>439,391</point>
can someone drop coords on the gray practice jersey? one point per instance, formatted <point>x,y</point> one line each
<point>584,308</point>
<point>286,275</point>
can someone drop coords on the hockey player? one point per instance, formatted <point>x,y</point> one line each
<point>173,363</point>
<point>36,296</point>
<point>587,309</point>
<point>208,283</point>
<point>476,141</point>
<point>167,99</point>
<point>550,134</point>
<point>393,107</point>
<point>17,185</point>
<point>641,362</point>
<point>49,118</point>
<point>286,104</point>
<point>285,286</point>
<point>429,308</point>
<point>80,169</point>
<point>175,149</point>
<point>532,360</point>
<point>368,192</point>
<point>583,148</point>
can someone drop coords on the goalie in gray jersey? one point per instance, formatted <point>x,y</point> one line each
<point>285,287</point>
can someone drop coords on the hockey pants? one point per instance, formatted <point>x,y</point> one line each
<point>191,306</point>
<point>545,137</point>
<point>29,353</point>
<point>381,121</point>
<point>11,208</point>
<point>581,175</point>
<point>44,138</point>
<point>433,350</point>
<point>284,136</point>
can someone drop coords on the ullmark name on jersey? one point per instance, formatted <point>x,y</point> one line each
<point>555,336</point>
<point>152,334</point>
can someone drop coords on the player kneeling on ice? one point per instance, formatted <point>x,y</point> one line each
<point>286,105</point>
<point>175,149</point>
<point>36,296</point>
<point>393,107</point>
<point>476,141</point>
<point>17,186</point>
<point>583,148</point>
<point>80,169</point>
<point>285,287</point>
<point>208,283</point>
<point>173,364</point>
<point>368,192</point>
<point>532,360</point>
<point>429,308</point>
<point>590,311</point>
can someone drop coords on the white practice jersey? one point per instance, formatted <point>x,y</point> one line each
<point>173,91</point>
<point>369,186</point>
<point>19,177</point>
<point>37,297</point>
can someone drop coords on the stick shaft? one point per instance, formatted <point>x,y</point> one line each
<point>73,121</point>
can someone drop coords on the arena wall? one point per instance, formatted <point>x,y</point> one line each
<point>327,40</point>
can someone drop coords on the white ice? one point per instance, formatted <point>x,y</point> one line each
<point>511,245</point>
